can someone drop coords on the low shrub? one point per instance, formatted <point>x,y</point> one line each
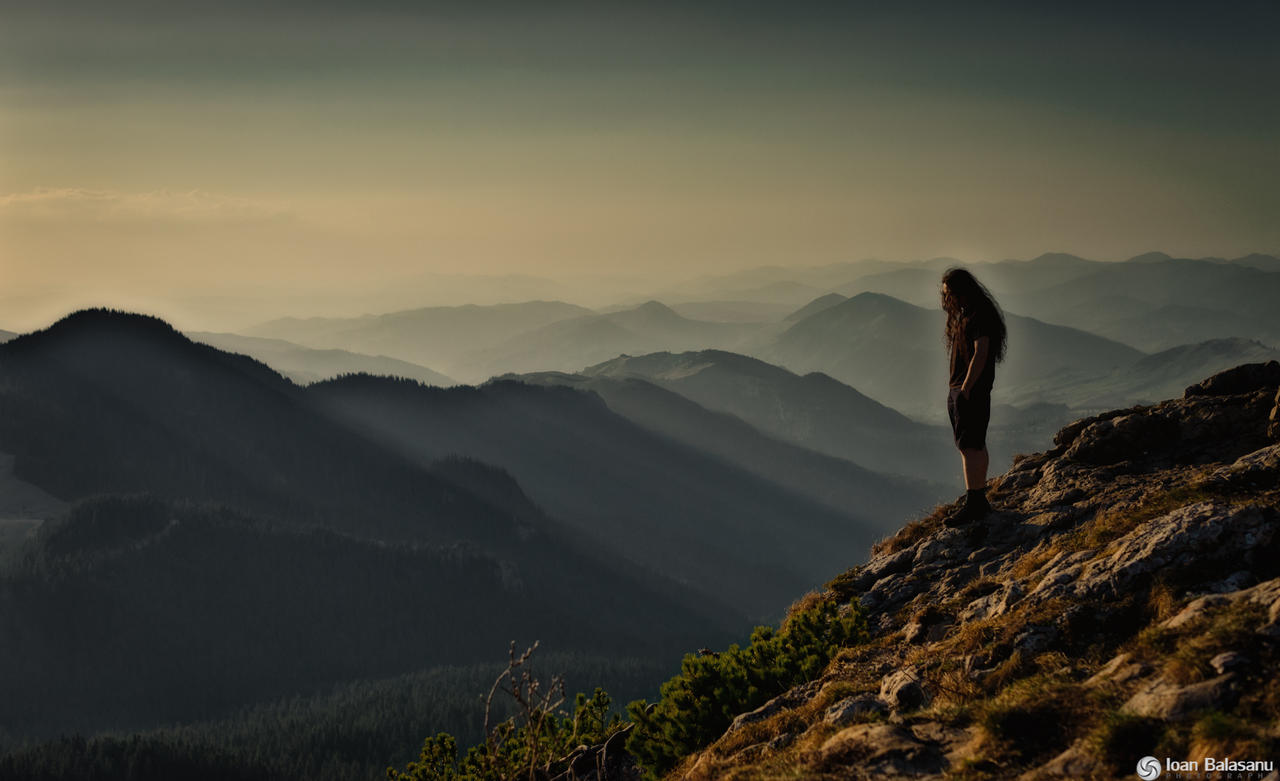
<point>698,705</point>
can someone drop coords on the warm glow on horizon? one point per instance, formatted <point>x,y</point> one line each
<point>234,164</point>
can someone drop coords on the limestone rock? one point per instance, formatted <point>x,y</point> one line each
<point>994,604</point>
<point>1186,537</point>
<point>903,691</point>
<point>883,751</point>
<point>1242,379</point>
<point>851,709</point>
<point>1120,669</point>
<point>1260,466</point>
<point>1166,700</point>
<point>1227,661</point>
<point>791,698</point>
<point>1123,438</point>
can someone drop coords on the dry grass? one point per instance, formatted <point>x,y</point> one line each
<point>1116,736</point>
<point>806,602</point>
<point>1163,601</point>
<point>1035,718</point>
<point>913,532</point>
<point>1230,629</point>
<point>1220,735</point>
<point>1027,566</point>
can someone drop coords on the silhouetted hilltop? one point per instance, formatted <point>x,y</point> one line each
<point>1258,261</point>
<point>108,402</point>
<point>305,364</point>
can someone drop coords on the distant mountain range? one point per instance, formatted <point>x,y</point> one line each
<point>305,364</point>
<point>813,410</point>
<point>1154,377</point>
<point>570,345</point>
<point>1152,302</point>
<point>892,351</point>
<point>444,338</point>
<point>1087,318</point>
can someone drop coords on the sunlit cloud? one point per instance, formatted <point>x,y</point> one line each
<point>189,207</point>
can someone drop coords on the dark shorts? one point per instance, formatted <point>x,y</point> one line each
<point>969,419</point>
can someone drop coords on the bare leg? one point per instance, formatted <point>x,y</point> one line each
<point>975,468</point>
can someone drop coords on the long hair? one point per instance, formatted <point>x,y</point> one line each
<point>965,299</point>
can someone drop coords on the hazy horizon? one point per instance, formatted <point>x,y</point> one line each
<point>226,164</point>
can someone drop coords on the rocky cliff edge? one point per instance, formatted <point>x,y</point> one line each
<point>1123,602</point>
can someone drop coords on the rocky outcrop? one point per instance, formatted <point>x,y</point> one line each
<point>1126,589</point>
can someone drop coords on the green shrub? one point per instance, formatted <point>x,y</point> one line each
<point>712,689</point>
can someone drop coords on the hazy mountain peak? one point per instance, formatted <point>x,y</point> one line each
<point>815,306</point>
<point>668,365</point>
<point>1057,258</point>
<point>1259,261</point>
<point>870,300</point>
<point>654,308</point>
<point>1150,257</point>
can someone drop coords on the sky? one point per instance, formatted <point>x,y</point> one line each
<point>227,162</point>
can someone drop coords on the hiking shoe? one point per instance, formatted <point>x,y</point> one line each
<point>972,509</point>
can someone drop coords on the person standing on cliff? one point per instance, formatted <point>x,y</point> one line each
<point>975,337</point>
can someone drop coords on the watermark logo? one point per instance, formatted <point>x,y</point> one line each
<point>1148,768</point>
<point>1212,769</point>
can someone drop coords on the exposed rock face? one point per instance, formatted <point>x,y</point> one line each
<point>902,690</point>
<point>1129,579</point>
<point>1166,700</point>
<point>1243,379</point>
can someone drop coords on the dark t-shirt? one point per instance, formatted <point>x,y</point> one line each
<point>976,326</point>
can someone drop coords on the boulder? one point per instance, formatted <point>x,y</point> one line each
<point>994,604</point>
<point>1246,378</point>
<point>851,709</point>
<point>903,691</point>
<point>883,750</point>
<point>1262,466</point>
<point>789,699</point>
<point>1123,438</point>
<point>1120,669</point>
<point>1227,661</point>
